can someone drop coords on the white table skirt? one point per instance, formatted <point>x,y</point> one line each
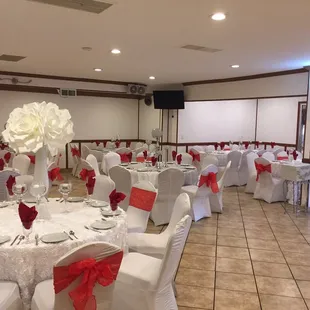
<point>28,264</point>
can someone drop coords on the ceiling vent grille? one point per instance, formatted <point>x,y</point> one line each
<point>13,58</point>
<point>90,6</point>
<point>201,48</point>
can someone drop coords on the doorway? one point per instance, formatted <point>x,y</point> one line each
<point>301,125</point>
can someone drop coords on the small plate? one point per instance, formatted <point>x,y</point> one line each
<point>124,164</point>
<point>134,162</point>
<point>170,162</point>
<point>142,170</point>
<point>99,204</point>
<point>102,225</point>
<point>75,199</point>
<point>108,212</point>
<point>54,238</point>
<point>190,168</point>
<point>4,239</point>
<point>185,165</point>
<point>4,204</point>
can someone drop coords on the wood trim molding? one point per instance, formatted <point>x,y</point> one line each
<point>247,77</point>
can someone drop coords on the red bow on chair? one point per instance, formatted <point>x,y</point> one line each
<point>216,146</point>
<point>262,168</point>
<point>195,156</point>
<point>3,146</point>
<point>145,154</point>
<point>124,158</point>
<point>103,272</point>
<point>75,152</point>
<point>128,143</point>
<point>32,159</point>
<point>174,155</point>
<point>222,145</point>
<point>210,181</point>
<point>246,145</point>
<point>142,199</point>
<point>97,142</point>
<point>104,143</point>
<point>117,143</point>
<point>1,164</point>
<point>85,174</point>
<point>257,144</point>
<point>295,155</point>
<point>54,174</point>
<point>272,144</point>
<point>7,157</point>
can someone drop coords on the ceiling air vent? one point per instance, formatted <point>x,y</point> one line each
<point>91,6</point>
<point>201,48</point>
<point>13,58</point>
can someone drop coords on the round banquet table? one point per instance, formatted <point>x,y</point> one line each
<point>28,264</point>
<point>139,172</point>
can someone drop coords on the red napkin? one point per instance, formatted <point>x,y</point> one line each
<point>1,164</point>
<point>179,159</point>
<point>27,215</point>
<point>128,143</point>
<point>174,155</point>
<point>222,145</point>
<point>54,174</point>
<point>154,160</point>
<point>75,152</point>
<point>295,155</point>
<point>246,145</point>
<point>9,184</point>
<point>115,199</point>
<point>97,142</point>
<point>124,158</point>
<point>117,143</point>
<point>257,144</point>
<point>272,144</point>
<point>129,155</point>
<point>3,146</point>
<point>104,143</point>
<point>32,159</point>
<point>216,145</point>
<point>145,154</point>
<point>7,157</point>
<point>90,185</point>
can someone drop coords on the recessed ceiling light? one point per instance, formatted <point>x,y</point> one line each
<point>115,51</point>
<point>86,48</point>
<point>152,77</point>
<point>235,66</point>
<point>218,16</point>
<point>98,69</point>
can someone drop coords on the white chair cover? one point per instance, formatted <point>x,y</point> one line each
<point>104,185</point>
<point>269,156</point>
<point>269,188</point>
<point>145,282</point>
<point>260,153</point>
<point>85,165</point>
<point>139,145</point>
<point>98,155</point>
<point>235,147</point>
<point>9,296</point>
<point>198,148</point>
<point>243,169</point>
<point>232,177</point>
<point>111,159</point>
<point>44,297</point>
<point>210,160</point>
<point>210,148</point>
<point>4,175</point>
<point>76,161</point>
<point>85,151</point>
<point>251,182</point>
<point>137,218</point>
<point>186,159</point>
<point>275,152</point>
<point>122,179</point>
<point>92,160</point>
<point>170,182</point>
<point>21,162</point>
<point>155,244</point>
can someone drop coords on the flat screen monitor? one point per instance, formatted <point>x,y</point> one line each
<point>170,99</point>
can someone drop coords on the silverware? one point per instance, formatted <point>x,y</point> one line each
<point>37,239</point>
<point>104,219</point>
<point>47,199</point>
<point>21,238</point>
<point>93,229</point>
<point>71,232</point>
<point>14,240</point>
<point>61,200</point>
<point>68,235</point>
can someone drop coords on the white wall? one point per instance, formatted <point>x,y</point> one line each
<point>277,119</point>
<point>212,121</point>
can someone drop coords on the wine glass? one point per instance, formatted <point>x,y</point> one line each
<point>114,207</point>
<point>19,190</point>
<point>65,189</point>
<point>38,190</point>
<point>27,230</point>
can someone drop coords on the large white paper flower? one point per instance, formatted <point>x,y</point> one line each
<point>37,124</point>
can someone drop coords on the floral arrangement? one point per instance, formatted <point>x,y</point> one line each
<point>35,125</point>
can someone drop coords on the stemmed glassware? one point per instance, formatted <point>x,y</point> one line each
<point>38,190</point>
<point>19,191</point>
<point>65,189</point>
<point>27,230</point>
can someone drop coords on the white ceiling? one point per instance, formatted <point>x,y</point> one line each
<point>259,35</point>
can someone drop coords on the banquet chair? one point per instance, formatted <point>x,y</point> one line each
<point>243,169</point>
<point>4,175</point>
<point>260,153</point>
<point>104,185</point>
<point>269,156</point>
<point>98,155</point>
<point>111,159</point>
<point>26,179</point>
<point>216,200</point>
<point>210,148</point>
<point>251,182</point>
<point>85,151</point>
<point>145,282</point>
<point>9,296</point>
<point>45,297</point>
<point>122,179</point>
<point>76,161</point>
<point>232,177</point>
<point>141,201</point>
<point>92,160</point>
<point>210,160</point>
<point>86,165</point>
<point>235,147</point>
<point>21,162</point>
<point>199,196</point>
<point>155,244</point>
<point>170,182</point>
<point>268,187</point>
<point>198,148</point>
<point>186,159</point>
<point>139,145</point>
<point>197,158</point>
<point>276,152</point>
<point>282,155</point>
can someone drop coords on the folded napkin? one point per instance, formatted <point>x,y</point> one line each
<point>216,145</point>
<point>90,184</point>
<point>75,152</point>
<point>32,159</point>
<point>222,145</point>
<point>97,142</point>
<point>27,215</point>
<point>179,159</point>
<point>257,144</point>
<point>145,154</point>
<point>128,143</point>
<point>117,143</point>
<point>115,199</point>
<point>174,155</point>
<point>246,145</point>
<point>1,164</point>
<point>154,160</point>
<point>7,157</point>
<point>272,144</point>
<point>104,143</point>
<point>295,155</point>
<point>9,184</point>
<point>54,174</point>
<point>124,158</point>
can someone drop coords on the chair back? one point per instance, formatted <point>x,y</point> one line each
<point>187,159</point>
<point>75,158</point>
<point>269,156</point>
<point>85,151</point>
<point>111,159</point>
<point>197,148</point>
<point>210,148</point>
<point>264,177</point>
<point>275,152</point>
<point>123,150</point>
<point>210,160</point>
<point>260,153</point>
<point>92,160</point>
<point>97,154</point>
<point>235,147</point>
<point>282,155</point>
<point>104,185</point>
<point>86,165</point>
<point>222,179</point>
<point>243,162</point>
<point>234,157</point>
<point>251,164</point>
<point>98,251</point>
<point>4,175</point>
<point>204,190</point>
<point>21,162</point>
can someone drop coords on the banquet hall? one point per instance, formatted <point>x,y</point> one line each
<point>154,155</point>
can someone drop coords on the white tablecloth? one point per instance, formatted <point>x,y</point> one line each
<point>291,171</point>
<point>191,176</point>
<point>28,264</point>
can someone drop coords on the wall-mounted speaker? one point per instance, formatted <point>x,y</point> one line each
<point>136,89</point>
<point>148,100</point>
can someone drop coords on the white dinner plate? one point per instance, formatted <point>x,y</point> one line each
<point>185,165</point>
<point>190,168</point>
<point>4,204</point>
<point>99,203</point>
<point>75,199</point>
<point>102,225</point>
<point>124,164</point>
<point>170,162</point>
<point>142,170</point>
<point>54,238</point>
<point>4,239</point>
<point>108,212</point>
<point>134,162</point>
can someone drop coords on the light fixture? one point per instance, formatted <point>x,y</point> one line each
<point>86,48</point>
<point>98,69</point>
<point>152,77</point>
<point>218,16</point>
<point>235,66</point>
<point>115,51</point>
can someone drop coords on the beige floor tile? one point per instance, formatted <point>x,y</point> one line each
<point>277,286</point>
<point>308,303</point>
<point>290,237</point>
<point>201,229</point>
<point>207,221</point>
<point>230,224</point>
<point>231,232</point>
<point>297,258</point>
<point>196,297</point>
<point>269,302</point>
<point>256,234</point>
<point>194,277</point>
<point>263,244</point>
<point>232,252</point>
<point>267,256</point>
<point>234,265</point>
<point>271,270</point>
<point>257,220</point>
<point>200,238</point>
<point>187,308</point>
<point>198,262</point>
<point>284,229</point>
<point>199,249</point>
<point>301,272</point>
<point>233,300</point>
<point>259,226</point>
<point>232,241</point>
<point>304,287</point>
<point>235,282</point>
<point>294,247</point>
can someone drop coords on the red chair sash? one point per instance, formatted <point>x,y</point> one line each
<point>1,164</point>
<point>86,174</point>
<point>140,159</point>
<point>262,168</point>
<point>179,159</point>
<point>54,174</point>
<point>195,156</point>
<point>7,157</point>
<point>210,181</point>
<point>117,144</point>
<point>142,199</point>
<point>104,143</point>
<point>124,158</point>
<point>128,143</point>
<point>75,152</point>
<point>282,157</point>
<point>3,146</point>
<point>174,155</point>
<point>32,159</point>
<point>103,272</point>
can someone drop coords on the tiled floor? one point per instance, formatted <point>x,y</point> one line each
<point>253,256</point>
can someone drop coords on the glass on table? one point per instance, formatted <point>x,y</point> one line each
<point>27,230</point>
<point>19,191</point>
<point>11,196</point>
<point>65,189</point>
